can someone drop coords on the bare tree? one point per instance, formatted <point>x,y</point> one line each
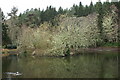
<point>13,12</point>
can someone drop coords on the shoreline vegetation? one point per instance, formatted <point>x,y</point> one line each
<point>8,52</point>
<point>64,32</point>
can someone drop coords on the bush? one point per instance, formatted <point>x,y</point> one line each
<point>10,46</point>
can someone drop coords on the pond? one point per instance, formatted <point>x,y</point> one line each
<point>87,65</point>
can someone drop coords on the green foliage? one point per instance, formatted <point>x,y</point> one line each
<point>106,7</point>
<point>99,10</point>
<point>80,10</point>
<point>91,8</point>
<point>49,14</point>
<point>52,31</point>
<point>30,17</point>
<point>5,38</point>
<point>60,10</point>
<point>115,44</point>
<point>37,16</point>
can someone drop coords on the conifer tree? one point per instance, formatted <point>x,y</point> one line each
<point>5,38</point>
<point>80,10</point>
<point>99,10</point>
<point>91,7</point>
<point>60,10</point>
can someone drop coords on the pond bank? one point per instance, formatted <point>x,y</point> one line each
<point>99,49</point>
<point>8,52</point>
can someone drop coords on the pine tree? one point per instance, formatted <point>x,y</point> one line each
<point>91,7</point>
<point>80,10</point>
<point>86,10</point>
<point>106,7</point>
<point>99,10</point>
<point>60,10</point>
<point>75,10</point>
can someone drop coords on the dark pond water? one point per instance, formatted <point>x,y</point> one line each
<point>88,65</point>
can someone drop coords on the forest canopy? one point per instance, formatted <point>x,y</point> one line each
<point>52,30</point>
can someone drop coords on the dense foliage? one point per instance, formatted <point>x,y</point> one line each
<point>56,32</point>
<point>5,38</point>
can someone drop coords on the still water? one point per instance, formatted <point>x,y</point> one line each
<point>88,65</point>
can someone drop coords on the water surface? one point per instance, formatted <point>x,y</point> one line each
<point>88,65</point>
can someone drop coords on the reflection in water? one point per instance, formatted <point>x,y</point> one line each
<point>88,65</point>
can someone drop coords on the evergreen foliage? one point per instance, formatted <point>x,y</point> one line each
<point>35,17</point>
<point>5,38</point>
